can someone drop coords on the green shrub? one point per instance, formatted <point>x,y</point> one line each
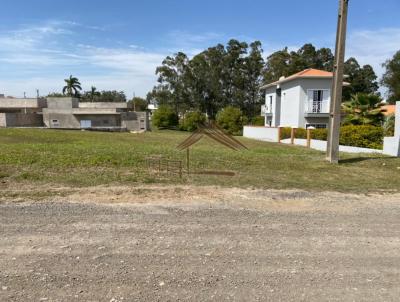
<point>165,118</point>
<point>192,120</point>
<point>232,120</point>
<point>388,126</point>
<point>258,121</point>
<point>319,134</point>
<point>287,133</point>
<point>365,136</point>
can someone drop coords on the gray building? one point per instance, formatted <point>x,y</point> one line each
<point>21,112</point>
<point>69,113</point>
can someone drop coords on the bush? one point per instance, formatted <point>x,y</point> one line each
<point>258,121</point>
<point>192,120</point>
<point>364,136</point>
<point>232,120</point>
<point>165,118</point>
<point>287,132</point>
<point>388,126</point>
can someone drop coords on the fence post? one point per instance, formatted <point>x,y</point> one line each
<point>279,134</point>
<point>188,160</point>
<point>308,138</point>
<point>292,135</point>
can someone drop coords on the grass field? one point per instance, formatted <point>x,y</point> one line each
<point>82,159</point>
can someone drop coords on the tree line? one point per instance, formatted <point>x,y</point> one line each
<point>232,74</point>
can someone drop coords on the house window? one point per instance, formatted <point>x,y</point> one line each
<point>317,126</point>
<point>318,101</point>
<point>270,104</point>
<point>105,121</point>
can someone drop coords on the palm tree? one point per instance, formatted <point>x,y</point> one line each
<point>72,87</point>
<point>93,93</point>
<point>364,109</point>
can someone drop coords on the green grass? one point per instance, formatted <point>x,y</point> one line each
<point>82,159</point>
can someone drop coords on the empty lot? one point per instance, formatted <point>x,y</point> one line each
<point>200,244</point>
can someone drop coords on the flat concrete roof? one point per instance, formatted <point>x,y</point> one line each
<point>11,103</point>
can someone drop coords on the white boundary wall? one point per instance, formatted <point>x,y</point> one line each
<point>391,145</point>
<point>322,145</point>
<point>268,134</point>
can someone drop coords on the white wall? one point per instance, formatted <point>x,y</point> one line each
<point>391,145</point>
<point>290,104</point>
<point>322,145</point>
<point>311,84</point>
<point>262,133</point>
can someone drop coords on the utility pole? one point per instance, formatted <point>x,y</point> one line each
<point>337,87</point>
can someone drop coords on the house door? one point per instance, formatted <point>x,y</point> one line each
<point>86,124</point>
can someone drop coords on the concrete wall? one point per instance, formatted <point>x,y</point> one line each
<point>135,121</point>
<point>290,104</point>
<point>101,121</point>
<point>20,120</point>
<point>62,103</point>
<point>8,103</point>
<point>104,105</point>
<point>3,121</point>
<point>60,120</point>
<point>269,134</point>
<point>391,145</point>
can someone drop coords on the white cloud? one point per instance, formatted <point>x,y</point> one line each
<point>374,47</point>
<point>41,56</point>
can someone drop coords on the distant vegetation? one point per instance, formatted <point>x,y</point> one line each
<point>232,75</point>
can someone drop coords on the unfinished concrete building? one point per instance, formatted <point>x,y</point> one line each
<point>21,112</point>
<point>69,113</point>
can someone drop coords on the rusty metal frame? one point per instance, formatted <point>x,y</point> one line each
<point>216,133</point>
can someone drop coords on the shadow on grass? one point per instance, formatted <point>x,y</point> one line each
<point>361,159</point>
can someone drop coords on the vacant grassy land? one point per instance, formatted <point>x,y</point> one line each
<point>78,158</point>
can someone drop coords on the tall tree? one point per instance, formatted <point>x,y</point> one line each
<point>361,79</point>
<point>208,80</point>
<point>138,104</point>
<point>391,78</point>
<point>72,87</point>
<point>254,64</point>
<point>277,65</point>
<point>283,63</point>
<point>173,76</point>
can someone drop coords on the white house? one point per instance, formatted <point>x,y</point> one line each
<point>301,100</point>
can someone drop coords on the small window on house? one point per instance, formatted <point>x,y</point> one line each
<point>105,121</point>
<point>270,104</point>
<point>317,126</point>
<point>55,121</point>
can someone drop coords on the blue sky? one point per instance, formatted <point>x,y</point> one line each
<point>118,44</point>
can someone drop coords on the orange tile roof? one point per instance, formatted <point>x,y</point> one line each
<point>389,109</point>
<point>312,73</point>
<point>307,73</point>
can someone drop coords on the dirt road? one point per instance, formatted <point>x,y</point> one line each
<point>210,245</point>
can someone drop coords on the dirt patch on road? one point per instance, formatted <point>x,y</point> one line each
<point>251,198</point>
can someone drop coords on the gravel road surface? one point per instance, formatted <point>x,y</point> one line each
<point>344,249</point>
